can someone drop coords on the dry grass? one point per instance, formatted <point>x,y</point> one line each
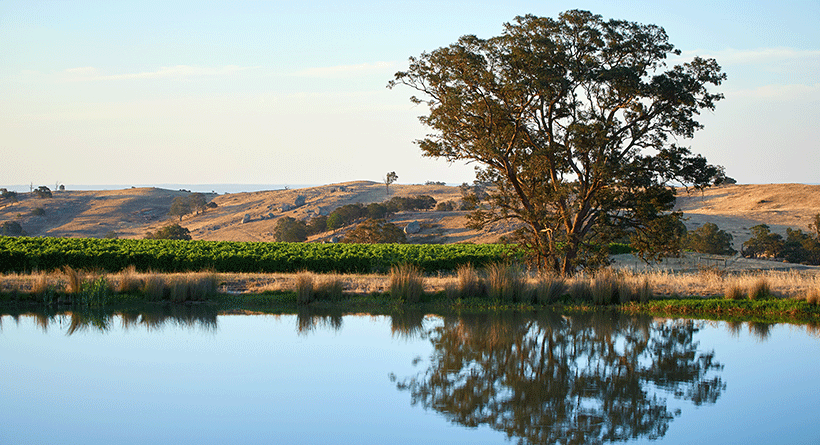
<point>406,283</point>
<point>504,282</point>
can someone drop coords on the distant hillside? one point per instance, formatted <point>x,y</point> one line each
<point>130,213</point>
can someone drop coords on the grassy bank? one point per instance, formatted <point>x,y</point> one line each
<point>787,296</point>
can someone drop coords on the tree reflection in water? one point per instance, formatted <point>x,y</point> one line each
<point>581,379</point>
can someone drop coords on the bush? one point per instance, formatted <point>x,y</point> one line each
<point>376,231</point>
<point>711,240</point>
<point>445,206</point>
<point>9,195</point>
<point>173,232</point>
<point>12,228</point>
<point>43,192</point>
<point>317,225</point>
<point>763,243</point>
<point>288,229</point>
<point>38,212</point>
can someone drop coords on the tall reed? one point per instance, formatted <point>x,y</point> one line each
<point>329,288</point>
<point>760,289</point>
<point>74,280</point>
<point>469,282</point>
<point>406,283</point>
<point>129,282</point>
<point>304,288</point>
<point>505,282</point>
<point>550,289</point>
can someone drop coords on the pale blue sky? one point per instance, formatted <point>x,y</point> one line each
<point>152,92</point>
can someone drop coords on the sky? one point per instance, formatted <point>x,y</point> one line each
<point>269,92</point>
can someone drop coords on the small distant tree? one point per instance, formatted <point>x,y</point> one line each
<point>763,243</point>
<point>43,192</point>
<point>290,230</point>
<point>317,225</point>
<point>12,228</point>
<point>375,231</point>
<point>814,226</point>
<point>389,179</point>
<point>661,237</point>
<point>800,247</point>
<point>710,239</point>
<point>38,212</point>
<point>180,206</point>
<point>197,202</point>
<point>174,231</point>
<point>8,195</point>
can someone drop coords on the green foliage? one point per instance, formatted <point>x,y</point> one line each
<point>800,247</point>
<point>290,230</point>
<point>183,205</point>
<point>38,211</point>
<point>43,192</point>
<point>710,239</point>
<point>763,243</point>
<point>172,232</point>
<point>11,228</point>
<point>446,206</point>
<point>8,195</point>
<point>180,207</point>
<point>660,237</point>
<point>316,225</point>
<point>573,121</point>
<point>375,231</point>
<point>814,226</point>
<point>389,179</point>
<point>20,254</point>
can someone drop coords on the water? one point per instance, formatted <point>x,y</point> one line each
<point>194,376</point>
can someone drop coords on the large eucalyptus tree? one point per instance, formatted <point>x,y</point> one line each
<point>575,121</point>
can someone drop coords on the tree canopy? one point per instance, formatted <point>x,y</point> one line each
<point>573,122</point>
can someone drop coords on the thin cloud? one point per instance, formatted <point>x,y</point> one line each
<point>731,56</point>
<point>340,71</point>
<point>795,93</point>
<point>84,74</point>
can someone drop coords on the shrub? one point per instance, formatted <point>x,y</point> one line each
<point>12,228</point>
<point>291,230</point>
<point>43,192</point>
<point>174,231</point>
<point>406,283</point>
<point>711,240</point>
<point>6,194</point>
<point>445,206</point>
<point>38,212</point>
<point>376,231</point>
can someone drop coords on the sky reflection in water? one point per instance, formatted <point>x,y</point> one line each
<point>193,376</point>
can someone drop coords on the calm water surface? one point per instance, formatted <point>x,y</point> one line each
<point>203,378</point>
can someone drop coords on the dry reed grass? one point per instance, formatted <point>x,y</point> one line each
<point>466,282</point>
<point>406,283</point>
